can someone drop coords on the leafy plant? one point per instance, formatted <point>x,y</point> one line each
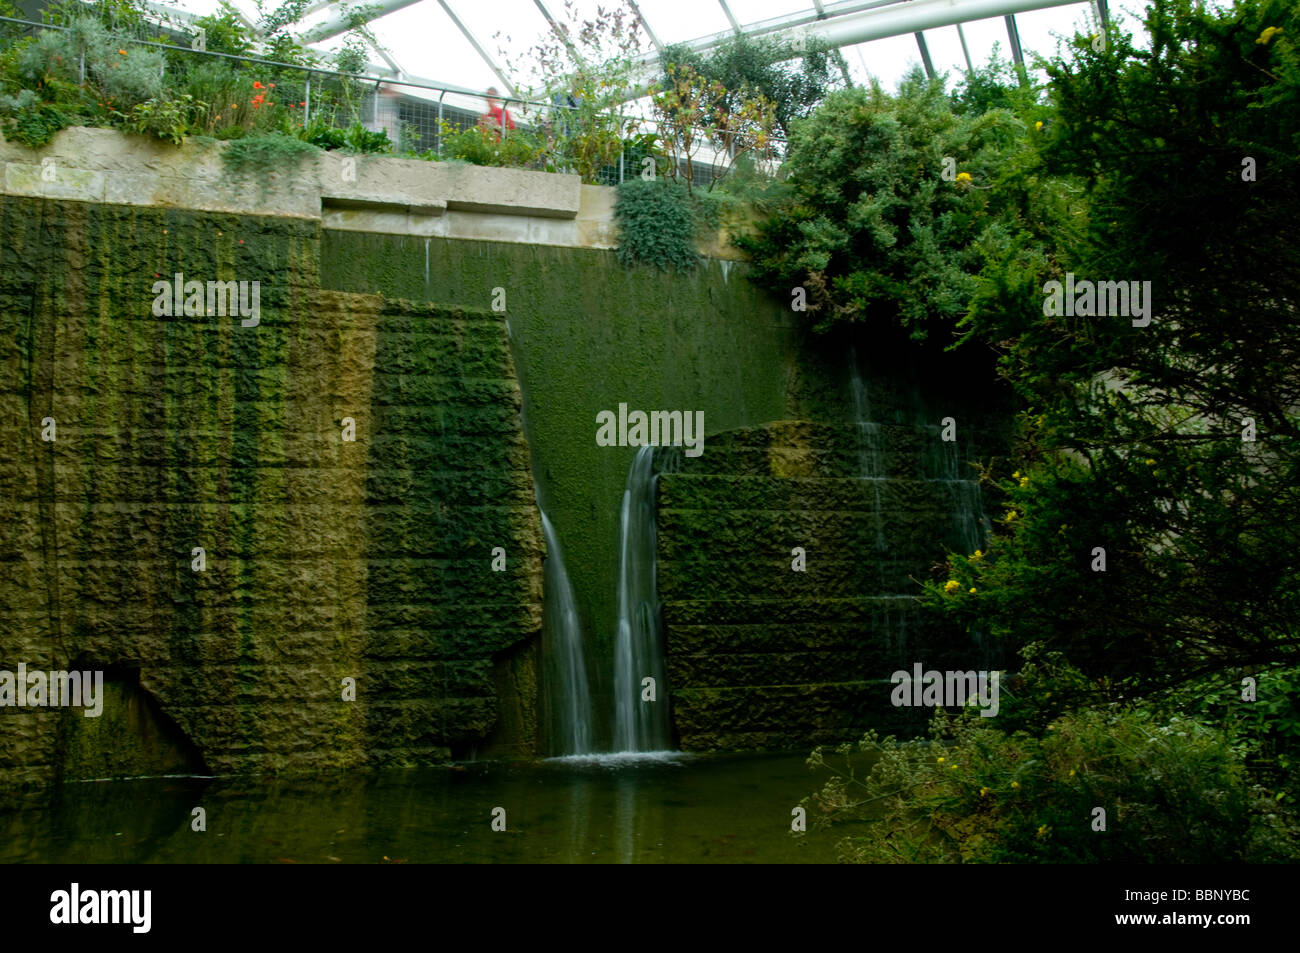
<point>30,121</point>
<point>891,202</point>
<point>322,134</point>
<point>658,223</point>
<point>482,146</point>
<point>262,156</point>
<point>1173,791</point>
<point>692,112</point>
<point>164,118</point>
<point>794,79</point>
<point>587,70</point>
<point>360,139</point>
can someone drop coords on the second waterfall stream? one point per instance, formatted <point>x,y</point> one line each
<point>640,725</point>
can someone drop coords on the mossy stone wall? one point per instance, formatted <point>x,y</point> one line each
<point>769,648</point>
<point>325,558</point>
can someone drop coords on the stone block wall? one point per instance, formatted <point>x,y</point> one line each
<point>324,558</point>
<point>763,656</point>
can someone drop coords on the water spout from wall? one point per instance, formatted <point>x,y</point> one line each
<point>640,724</point>
<point>568,695</point>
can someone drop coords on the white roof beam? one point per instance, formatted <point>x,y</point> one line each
<point>645,24</point>
<point>478,48</point>
<point>735,24</point>
<point>925,54</point>
<point>965,51</point>
<point>1013,35</point>
<point>341,21</point>
<point>851,24</point>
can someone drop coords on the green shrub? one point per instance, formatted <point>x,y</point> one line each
<point>1173,791</point>
<point>325,135</point>
<point>30,121</point>
<point>658,221</point>
<point>481,146</point>
<point>261,156</point>
<point>322,134</point>
<point>164,118</point>
<point>360,139</point>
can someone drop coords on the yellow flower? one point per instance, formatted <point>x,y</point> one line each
<point>984,792</point>
<point>1038,126</point>
<point>1016,475</point>
<point>1011,516</point>
<point>977,555</point>
<point>941,760</point>
<point>1015,784</point>
<point>963,177</point>
<point>1024,482</point>
<point>952,585</point>
<point>952,767</point>
<point>973,590</point>
<point>1150,462</point>
<point>1072,772</point>
<point>1268,34</point>
<point>1044,831</point>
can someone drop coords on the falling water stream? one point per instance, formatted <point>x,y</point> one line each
<point>942,468</point>
<point>640,724</point>
<point>569,705</point>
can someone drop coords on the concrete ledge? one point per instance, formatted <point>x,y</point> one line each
<point>382,203</point>
<point>348,192</point>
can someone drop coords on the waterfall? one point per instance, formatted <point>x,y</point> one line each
<point>942,466</point>
<point>568,702</point>
<point>970,526</point>
<point>638,652</point>
<point>871,460</point>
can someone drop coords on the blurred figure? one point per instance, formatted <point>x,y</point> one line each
<point>497,118</point>
<point>386,113</point>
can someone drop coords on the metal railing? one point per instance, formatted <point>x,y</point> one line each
<point>416,122</point>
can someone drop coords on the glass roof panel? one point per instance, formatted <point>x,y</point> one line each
<point>424,41</point>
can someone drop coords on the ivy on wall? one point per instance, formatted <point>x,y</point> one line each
<point>659,222</point>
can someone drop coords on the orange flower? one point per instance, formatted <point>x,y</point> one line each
<point>302,103</point>
<point>258,85</point>
<point>272,86</point>
<point>123,52</point>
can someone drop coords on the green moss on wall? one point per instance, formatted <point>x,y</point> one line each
<point>324,559</point>
<point>589,334</point>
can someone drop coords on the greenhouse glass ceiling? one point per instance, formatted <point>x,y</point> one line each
<point>470,45</point>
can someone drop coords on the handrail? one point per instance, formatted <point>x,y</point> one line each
<point>441,88</point>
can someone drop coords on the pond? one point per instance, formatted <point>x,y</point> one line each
<point>669,807</point>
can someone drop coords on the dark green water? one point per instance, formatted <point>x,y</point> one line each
<point>690,809</point>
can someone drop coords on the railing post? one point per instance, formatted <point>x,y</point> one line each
<point>306,112</point>
<point>440,98</point>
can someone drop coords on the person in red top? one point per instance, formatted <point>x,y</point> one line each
<point>496,117</point>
